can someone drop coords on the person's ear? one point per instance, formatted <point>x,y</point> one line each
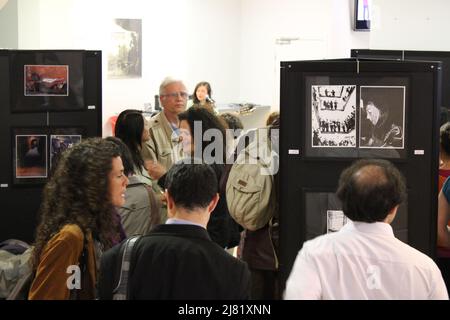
<point>212,205</point>
<point>170,202</point>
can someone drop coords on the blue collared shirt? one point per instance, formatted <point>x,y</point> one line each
<point>182,221</point>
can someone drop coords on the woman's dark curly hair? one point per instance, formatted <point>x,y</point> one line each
<point>78,193</point>
<point>208,121</point>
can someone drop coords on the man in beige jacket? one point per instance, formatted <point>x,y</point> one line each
<point>164,148</point>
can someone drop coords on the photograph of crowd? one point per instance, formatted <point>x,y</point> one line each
<point>31,156</point>
<point>382,117</point>
<point>333,116</point>
<point>46,80</point>
<point>60,143</point>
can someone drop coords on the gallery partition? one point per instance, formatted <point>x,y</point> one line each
<point>414,55</point>
<point>334,112</point>
<point>50,100</point>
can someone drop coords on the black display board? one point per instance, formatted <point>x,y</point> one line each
<point>326,124</point>
<point>443,56</point>
<point>49,100</point>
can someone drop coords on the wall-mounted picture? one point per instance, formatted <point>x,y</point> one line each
<point>382,117</point>
<point>47,80</point>
<point>125,50</point>
<point>42,80</point>
<point>59,144</point>
<point>335,220</point>
<point>30,157</point>
<point>333,111</point>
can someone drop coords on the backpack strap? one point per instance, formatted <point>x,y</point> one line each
<point>120,292</point>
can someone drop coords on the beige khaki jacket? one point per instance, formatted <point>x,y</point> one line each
<point>164,145</point>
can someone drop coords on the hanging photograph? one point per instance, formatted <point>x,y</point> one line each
<point>59,144</point>
<point>333,110</point>
<point>382,117</point>
<point>30,156</point>
<point>335,220</point>
<point>44,80</point>
<point>47,80</point>
<point>125,50</point>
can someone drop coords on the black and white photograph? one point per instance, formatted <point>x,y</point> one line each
<point>30,156</point>
<point>335,220</point>
<point>45,80</point>
<point>333,116</point>
<point>59,144</point>
<point>382,117</point>
<point>125,52</point>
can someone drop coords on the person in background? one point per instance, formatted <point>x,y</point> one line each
<point>202,97</point>
<point>272,117</point>
<point>233,131</point>
<point>221,227</point>
<point>178,260</point>
<point>132,129</point>
<point>141,211</point>
<point>163,148</point>
<point>364,260</point>
<point>76,220</point>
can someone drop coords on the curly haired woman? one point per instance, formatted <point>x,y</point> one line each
<point>76,214</point>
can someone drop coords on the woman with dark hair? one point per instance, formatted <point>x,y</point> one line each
<point>132,128</point>
<point>202,96</point>
<point>76,211</point>
<point>141,210</point>
<point>199,121</point>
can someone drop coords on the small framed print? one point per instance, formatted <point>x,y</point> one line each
<point>47,80</point>
<point>335,220</point>
<point>30,156</point>
<point>60,143</point>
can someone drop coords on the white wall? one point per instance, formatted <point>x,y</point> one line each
<point>193,40</point>
<point>411,25</point>
<point>230,43</point>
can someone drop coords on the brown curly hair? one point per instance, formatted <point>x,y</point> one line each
<point>78,193</point>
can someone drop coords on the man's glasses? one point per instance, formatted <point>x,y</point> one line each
<point>175,95</point>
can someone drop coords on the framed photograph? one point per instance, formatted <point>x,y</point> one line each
<point>125,54</point>
<point>30,156</point>
<point>333,111</point>
<point>324,214</point>
<point>382,117</point>
<point>60,143</point>
<point>352,118</point>
<point>43,80</point>
<point>47,80</point>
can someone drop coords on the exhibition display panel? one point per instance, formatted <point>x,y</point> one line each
<point>334,112</point>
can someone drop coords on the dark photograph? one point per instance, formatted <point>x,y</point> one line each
<point>31,156</point>
<point>333,116</point>
<point>125,54</point>
<point>59,144</point>
<point>45,80</point>
<point>382,117</point>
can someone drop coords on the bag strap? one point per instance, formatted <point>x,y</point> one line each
<point>120,292</point>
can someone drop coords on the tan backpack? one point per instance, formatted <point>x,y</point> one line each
<point>250,188</point>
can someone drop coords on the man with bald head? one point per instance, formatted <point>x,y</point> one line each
<point>163,149</point>
<point>364,260</point>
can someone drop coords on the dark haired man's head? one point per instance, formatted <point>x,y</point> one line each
<point>191,186</point>
<point>445,138</point>
<point>370,189</point>
<point>125,154</point>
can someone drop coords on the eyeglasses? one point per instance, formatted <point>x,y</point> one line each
<point>175,95</point>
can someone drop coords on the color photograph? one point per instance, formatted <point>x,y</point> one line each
<point>45,80</point>
<point>31,156</point>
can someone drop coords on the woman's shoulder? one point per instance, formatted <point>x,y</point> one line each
<point>70,232</point>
